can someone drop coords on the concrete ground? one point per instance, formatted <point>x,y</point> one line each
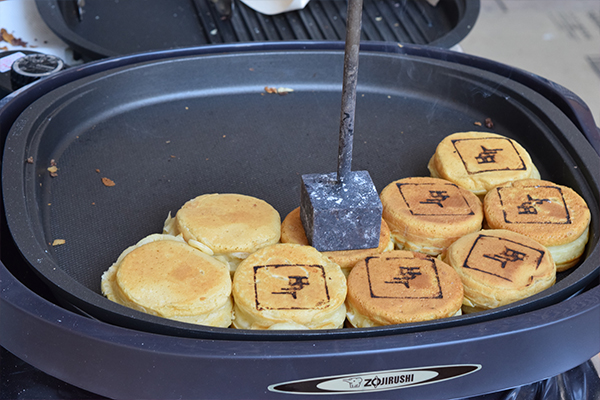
<point>556,39</point>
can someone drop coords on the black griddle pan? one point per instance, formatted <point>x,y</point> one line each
<point>98,28</point>
<point>171,127</point>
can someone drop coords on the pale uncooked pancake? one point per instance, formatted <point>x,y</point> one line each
<point>164,276</point>
<point>228,226</point>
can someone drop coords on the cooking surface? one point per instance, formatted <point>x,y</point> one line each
<point>162,144</point>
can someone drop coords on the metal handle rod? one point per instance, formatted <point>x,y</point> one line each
<point>353,29</point>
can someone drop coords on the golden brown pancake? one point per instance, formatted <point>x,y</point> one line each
<point>164,276</point>
<point>289,286</point>
<point>402,286</point>
<point>479,161</point>
<point>553,215</point>
<point>228,226</point>
<point>428,214</point>
<point>499,267</point>
<point>292,231</point>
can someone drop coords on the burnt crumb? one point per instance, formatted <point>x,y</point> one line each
<point>53,163</point>
<point>10,38</point>
<point>488,123</point>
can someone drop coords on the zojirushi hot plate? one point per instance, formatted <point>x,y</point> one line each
<point>167,126</point>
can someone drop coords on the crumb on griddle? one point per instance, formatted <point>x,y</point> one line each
<point>29,160</point>
<point>58,242</point>
<point>477,123</point>
<point>53,169</point>
<point>108,182</point>
<point>282,91</point>
<point>488,123</point>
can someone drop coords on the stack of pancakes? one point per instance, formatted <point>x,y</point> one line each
<point>554,215</point>
<point>402,286</point>
<point>164,276</point>
<point>227,226</point>
<point>289,286</point>
<point>228,260</point>
<point>428,214</point>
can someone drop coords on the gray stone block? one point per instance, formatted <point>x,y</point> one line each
<point>340,216</point>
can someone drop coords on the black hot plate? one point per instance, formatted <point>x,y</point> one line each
<point>169,130</point>
<point>168,126</point>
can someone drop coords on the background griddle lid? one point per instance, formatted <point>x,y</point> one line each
<point>102,28</point>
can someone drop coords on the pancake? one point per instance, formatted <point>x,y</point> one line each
<point>292,231</point>
<point>499,267</point>
<point>162,275</point>
<point>228,226</point>
<point>402,286</point>
<point>480,161</point>
<point>289,286</point>
<point>428,214</point>
<point>553,215</point>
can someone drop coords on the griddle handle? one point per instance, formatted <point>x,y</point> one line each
<point>353,29</point>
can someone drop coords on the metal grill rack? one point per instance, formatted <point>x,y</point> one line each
<point>384,20</point>
<point>101,29</point>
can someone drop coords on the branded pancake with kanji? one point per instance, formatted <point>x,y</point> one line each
<point>498,267</point>
<point>480,161</point>
<point>553,215</point>
<point>228,226</point>
<point>292,231</point>
<point>428,214</point>
<point>289,286</point>
<point>164,276</point>
<point>402,286</point>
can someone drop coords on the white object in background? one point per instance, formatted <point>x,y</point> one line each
<point>22,19</point>
<point>272,7</point>
<point>6,62</point>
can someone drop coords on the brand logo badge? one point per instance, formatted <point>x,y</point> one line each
<point>375,381</point>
